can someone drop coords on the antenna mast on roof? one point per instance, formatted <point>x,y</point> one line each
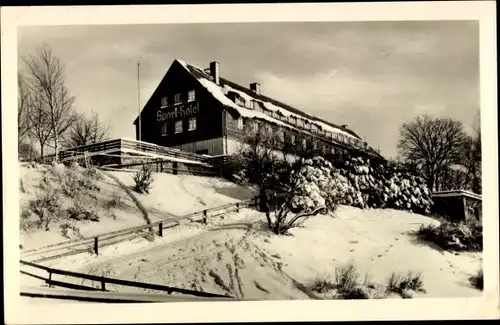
<point>139,97</point>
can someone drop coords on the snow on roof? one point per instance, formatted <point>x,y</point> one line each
<point>456,193</point>
<point>271,107</point>
<point>220,92</point>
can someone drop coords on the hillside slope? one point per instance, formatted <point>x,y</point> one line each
<point>56,191</point>
<point>237,255</point>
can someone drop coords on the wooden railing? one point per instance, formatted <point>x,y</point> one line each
<point>105,280</point>
<point>128,144</point>
<point>94,243</point>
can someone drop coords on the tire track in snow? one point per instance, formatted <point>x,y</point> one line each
<point>181,183</point>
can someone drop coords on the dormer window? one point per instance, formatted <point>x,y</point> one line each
<point>164,101</point>
<point>238,101</point>
<point>177,98</point>
<point>191,96</point>
<point>256,106</point>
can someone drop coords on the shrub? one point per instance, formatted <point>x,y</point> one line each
<point>347,279</point>
<point>70,231</point>
<point>75,179</point>
<point>477,280</point>
<point>322,284</point>
<point>457,236</point>
<point>26,223</point>
<point>313,188</point>
<point>143,179</point>
<point>402,284</point>
<point>46,205</point>
<point>83,208</point>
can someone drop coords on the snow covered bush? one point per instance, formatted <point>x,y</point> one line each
<point>461,236</point>
<point>312,188</point>
<point>143,179</point>
<point>384,185</point>
<point>405,285</point>
<point>83,207</point>
<point>46,205</point>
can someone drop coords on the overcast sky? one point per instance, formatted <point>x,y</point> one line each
<point>372,76</point>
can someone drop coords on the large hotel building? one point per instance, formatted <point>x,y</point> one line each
<point>196,110</point>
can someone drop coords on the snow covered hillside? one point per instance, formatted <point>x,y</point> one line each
<point>237,255</point>
<point>58,191</point>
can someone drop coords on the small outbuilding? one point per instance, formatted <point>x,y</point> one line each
<point>458,205</point>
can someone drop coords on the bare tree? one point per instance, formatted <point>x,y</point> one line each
<point>23,122</point>
<point>47,80</point>
<point>86,130</point>
<point>39,122</point>
<point>433,144</point>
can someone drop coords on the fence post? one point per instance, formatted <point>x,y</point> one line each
<point>205,216</point>
<point>255,202</point>
<point>237,207</point>
<point>49,281</point>
<point>96,245</point>
<point>103,285</point>
<point>160,229</point>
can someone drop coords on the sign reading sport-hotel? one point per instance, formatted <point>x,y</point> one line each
<point>178,111</point>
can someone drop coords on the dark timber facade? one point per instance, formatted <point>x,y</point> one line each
<point>195,110</point>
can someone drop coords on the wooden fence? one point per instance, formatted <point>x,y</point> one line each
<point>94,243</point>
<point>159,167</point>
<point>105,280</point>
<point>119,144</point>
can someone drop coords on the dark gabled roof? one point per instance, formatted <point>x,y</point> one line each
<point>199,73</point>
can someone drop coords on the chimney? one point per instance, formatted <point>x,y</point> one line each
<point>344,126</point>
<point>255,87</point>
<point>215,71</point>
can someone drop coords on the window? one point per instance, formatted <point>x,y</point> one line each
<point>164,101</point>
<point>255,126</point>
<point>239,101</point>
<point>239,123</point>
<point>315,145</point>
<point>177,98</point>
<point>304,143</point>
<point>325,148</point>
<point>300,123</point>
<point>178,127</point>
<point>192,124</point>
<point>191,96</point>
<point>293,138</point>
<point>256,106</point>
<point>164,129</point>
